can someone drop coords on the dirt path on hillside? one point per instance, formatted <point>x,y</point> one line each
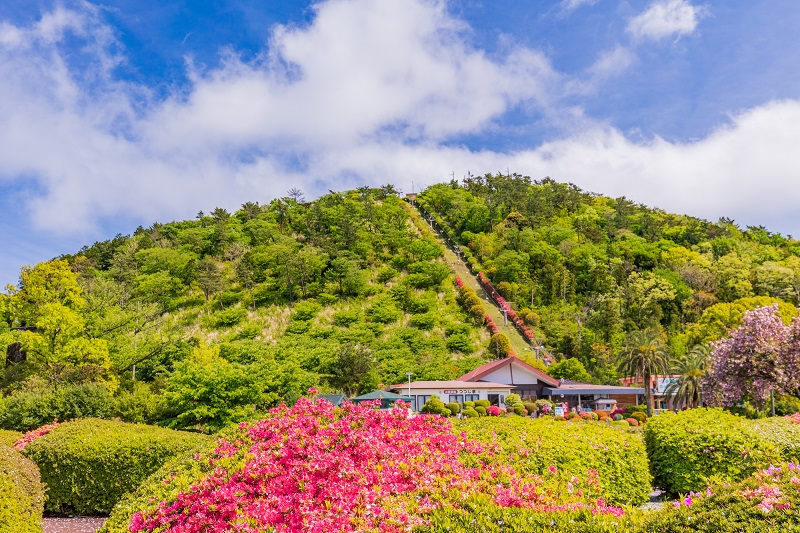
<point>520,345</point>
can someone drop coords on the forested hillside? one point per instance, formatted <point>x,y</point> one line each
<point>195,323</point>
<point>199,323</point>
<point>587,271</point>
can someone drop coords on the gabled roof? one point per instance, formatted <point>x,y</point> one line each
<point>484,370</point>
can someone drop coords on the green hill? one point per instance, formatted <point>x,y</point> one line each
<point>199,323</point>
<point>592,269</point>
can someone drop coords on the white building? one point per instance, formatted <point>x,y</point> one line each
<point>452,391</point>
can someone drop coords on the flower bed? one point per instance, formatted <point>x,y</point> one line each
<point>317,468</point>
<point>767,501</point>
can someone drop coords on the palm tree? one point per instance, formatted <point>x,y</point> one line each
<point>692,368</point>
<point>644,356</point>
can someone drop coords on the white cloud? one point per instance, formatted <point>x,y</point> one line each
<point>665,18</point>
<point>363,69</point>
<point>611,63</point>
<point>370,92</point>
<point>568,6</point>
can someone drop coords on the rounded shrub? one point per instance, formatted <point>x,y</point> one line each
<point>781,432</point>
<point>482,403</point>
<point>632,421</point>
<point>689,448</point>
<point>530,407</point>
<point>470,412</point>
<point>454,408</point>
<point>493,410</point>
<point>230,317</point>
<point>499,346</point>
<point>9,437</point>
<point>24,411</point>
<point>21,493</point>
<point>481,410</point>
<point>520,410</point>
<point>617,459</point>
<point>89,464</point>
<point>346,317</point>
<point>435,406</point>
<point>765,502</point>
<point>618,418</point>
<point>639,416</point>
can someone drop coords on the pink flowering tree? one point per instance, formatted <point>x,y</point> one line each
<point>758,358</point>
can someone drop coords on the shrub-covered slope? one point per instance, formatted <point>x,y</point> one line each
<point>592,269</point>
<point>234,312</point>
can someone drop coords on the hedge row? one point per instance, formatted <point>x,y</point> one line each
<point>689,448</point>
<point>89,464</point>
<point>532,446</point>
<point>21,493</point>
<point>766,502</point>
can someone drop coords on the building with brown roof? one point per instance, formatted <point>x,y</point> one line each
<point>526,380</point>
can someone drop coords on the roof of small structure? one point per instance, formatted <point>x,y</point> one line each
<point>335,399</point>
<point>484,370</point>
<point>452,384</point>
<point>379,395</point>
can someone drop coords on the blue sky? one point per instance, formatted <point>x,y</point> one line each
<point>128,112</point>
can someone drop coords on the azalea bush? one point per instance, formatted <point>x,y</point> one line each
<point>616,460</point>
<point>33,434</point>
<point>767,501</point>
<point>689,448</point>
<point>21,493</point>
<point>783,432</point>
<point>317,468</point>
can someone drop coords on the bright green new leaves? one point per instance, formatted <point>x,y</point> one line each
<point>49,299</point>
<point>207,392</point>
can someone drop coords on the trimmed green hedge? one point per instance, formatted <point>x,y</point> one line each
<point>766,502</point>
<point>89,464</point>
<point>688,448</point>
<point>21,493</point>
<point>481,516</point>
<point>576,447</point>
<point>783,433</point>
<point>182,470</point>
<point>9,437</point>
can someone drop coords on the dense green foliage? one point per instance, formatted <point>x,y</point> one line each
<point>89,464</point>
<point>533,445</point>
<point>9,437</point>
<point>763,503</point>
<point>688,449</point>
<point>21,493</point>
<point>197,323</point>
<point>480,516</point>
<point>594,269</point>
<point>783,433</point>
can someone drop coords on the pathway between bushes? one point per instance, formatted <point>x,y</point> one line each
<point>518,342</point>
<point>81,524</point>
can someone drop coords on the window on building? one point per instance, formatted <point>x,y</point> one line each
<point>422,399</point>
<point>472,397</point>
<point>456,398</point>
<point>494,399</point>
<point>527,394</point>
